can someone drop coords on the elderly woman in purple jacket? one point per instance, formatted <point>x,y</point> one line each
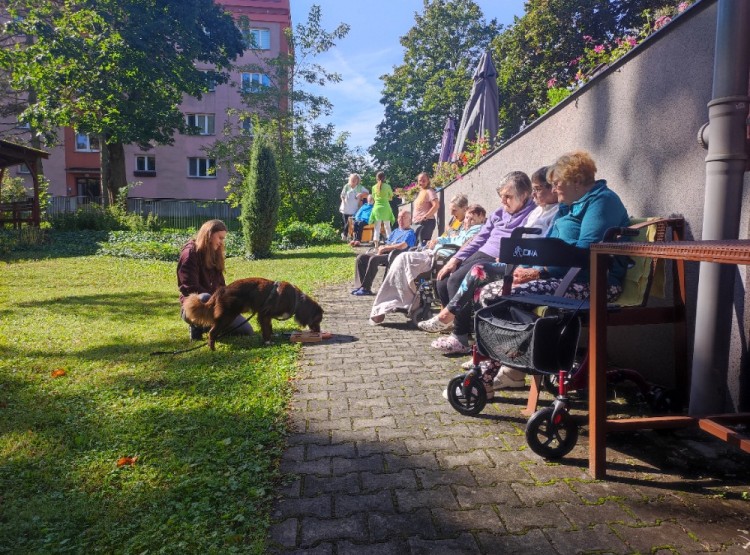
<point>515,197</point>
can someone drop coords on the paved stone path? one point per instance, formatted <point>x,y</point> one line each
<point>379,463</point>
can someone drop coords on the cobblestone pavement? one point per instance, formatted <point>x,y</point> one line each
<point>378,462</point>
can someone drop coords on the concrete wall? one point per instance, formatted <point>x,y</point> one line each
<point>639,119</point>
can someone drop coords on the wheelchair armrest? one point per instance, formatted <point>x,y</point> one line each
<point>542,252</point>
<point>521,231</point>
<point>393,254</point>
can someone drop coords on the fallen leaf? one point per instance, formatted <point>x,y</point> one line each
<point>129,461</point>
<point>59,372</point>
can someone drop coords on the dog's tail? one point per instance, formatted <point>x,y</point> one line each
<point>198,312</point>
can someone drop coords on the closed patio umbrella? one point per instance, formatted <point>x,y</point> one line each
<point>481,112</point>
<point>449,137</point>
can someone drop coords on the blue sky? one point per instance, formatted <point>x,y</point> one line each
<point>372,49</point>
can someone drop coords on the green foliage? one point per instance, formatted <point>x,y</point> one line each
<point>313,160</point>
<point>440,53</point>
<point>208,428</point>
<point>324,234</point>
<point>260,200</point>
<point>297,233</point>
<point>100,67</point>
<point>301,234</point>
<point>104,218</point>
<point>545,46</point>
<point>12,189</point>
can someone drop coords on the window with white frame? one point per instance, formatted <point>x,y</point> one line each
<point>23,169</point>
<point>202,167</point>
<point>145,165</point>
<point>202,123</point>
<point>87,143</point>
<point>251,82</point>
<point>260,39</point>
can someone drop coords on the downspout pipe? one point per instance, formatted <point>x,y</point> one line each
<point>725,166</point>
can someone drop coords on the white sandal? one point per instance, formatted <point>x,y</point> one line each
<point>434,325</point>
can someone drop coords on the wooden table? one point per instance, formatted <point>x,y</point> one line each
<point>721,252</point>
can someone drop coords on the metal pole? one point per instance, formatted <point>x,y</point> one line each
<point>725,166</point>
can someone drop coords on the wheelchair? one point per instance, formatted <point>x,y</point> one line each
<point>427,296</point>
<point>539,334</point>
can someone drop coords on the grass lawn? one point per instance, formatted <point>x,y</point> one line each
<point>79,390</point>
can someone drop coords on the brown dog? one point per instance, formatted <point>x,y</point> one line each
<point>268,299</point>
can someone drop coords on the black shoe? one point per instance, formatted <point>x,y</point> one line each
<point>196,333</point>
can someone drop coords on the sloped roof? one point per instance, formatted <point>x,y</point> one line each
<point>12,154</point>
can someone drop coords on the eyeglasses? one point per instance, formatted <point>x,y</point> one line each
<point>506,196</point>
<point>537,189</point>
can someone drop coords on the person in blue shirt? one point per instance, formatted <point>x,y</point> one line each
<point>360,220</point>
<point>366,267</point>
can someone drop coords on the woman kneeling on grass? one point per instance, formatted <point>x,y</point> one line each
<point>201,270</point>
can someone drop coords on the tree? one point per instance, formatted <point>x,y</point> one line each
<point>117,68</point>
<point>260,200</point>
<point>313,160</point>
<point>547,44</point>
<point>434,81</point>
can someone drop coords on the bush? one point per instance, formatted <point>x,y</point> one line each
<point>324,234</point>
<point>260,200</point>
<point>98,218</point>
<point>297,234</point>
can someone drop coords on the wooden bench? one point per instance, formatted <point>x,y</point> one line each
<point>367,232</point>
<point>17,212</point>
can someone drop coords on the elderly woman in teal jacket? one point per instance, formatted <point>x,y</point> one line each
<point>588,208</point>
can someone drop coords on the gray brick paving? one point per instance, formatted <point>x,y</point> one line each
<point>378,463</point>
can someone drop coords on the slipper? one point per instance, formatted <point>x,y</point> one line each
<point>361,292</point>
<point>434,325</point>
<point>449,345</point>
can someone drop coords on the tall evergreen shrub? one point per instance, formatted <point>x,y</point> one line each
<point>260,199</point>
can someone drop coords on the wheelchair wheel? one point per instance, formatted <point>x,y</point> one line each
<point>471,404</point>
<point>551,440</point>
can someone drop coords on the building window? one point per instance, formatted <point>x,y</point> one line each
<point>259,39</point>
<point>211,78</point>
<point>87,143</point>
<point>251,82</point>
<point>202,167</point>
<point>145,166</point>
<point>23,169</point>
<point>203,124</point>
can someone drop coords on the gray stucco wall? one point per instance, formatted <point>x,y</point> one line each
<point>640,120</point>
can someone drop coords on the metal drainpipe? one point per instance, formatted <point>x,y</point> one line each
<point>725,166</point>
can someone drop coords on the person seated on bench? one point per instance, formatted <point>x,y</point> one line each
<point>588,208</point>
<point>366,267</point>
<point>399,290</point>
<point>360,220</point>
<point>516,204</point>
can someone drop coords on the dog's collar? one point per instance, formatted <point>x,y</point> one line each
<point>298,296</point>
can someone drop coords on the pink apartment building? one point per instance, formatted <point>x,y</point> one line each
<point>182,170</point>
